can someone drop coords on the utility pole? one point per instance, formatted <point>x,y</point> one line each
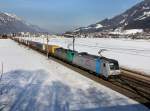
<point>1,76</point>
<point>47,46</point>
<point>44,47</point>
<point>73,42</point>
<point>1,71</point>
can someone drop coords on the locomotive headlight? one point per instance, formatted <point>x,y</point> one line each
<point>114,72</point>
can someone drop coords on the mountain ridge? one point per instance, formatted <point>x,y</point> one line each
<point>136,17</point>
<point>11,23</point>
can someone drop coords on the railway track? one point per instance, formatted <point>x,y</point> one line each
<point>130,83</point>
<point>140,83</point>
<point>135,83</point>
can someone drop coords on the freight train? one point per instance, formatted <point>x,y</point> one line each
<point>100,66</point>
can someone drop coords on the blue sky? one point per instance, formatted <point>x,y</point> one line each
<point>62,15</point>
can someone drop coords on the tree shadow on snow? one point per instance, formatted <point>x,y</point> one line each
<point>23,90</point>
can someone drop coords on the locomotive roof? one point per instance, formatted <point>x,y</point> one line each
<point>107,59</point>
<point>110,60</point>
<point>90,55</point>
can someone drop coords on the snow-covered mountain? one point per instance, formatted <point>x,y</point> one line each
<point>137,17</point>
<point>10,23</point>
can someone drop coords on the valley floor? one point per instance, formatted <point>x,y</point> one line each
<point>31,82</point>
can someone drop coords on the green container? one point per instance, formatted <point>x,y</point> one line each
<point>70,55</point>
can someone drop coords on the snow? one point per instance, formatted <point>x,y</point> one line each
<point>145,15</point>
<point>145,8</point>
<point>86,28</point>
<point>13,16</point>
<point>135,11</point>
<point>77,30</point>
<point>31,82</point>
<point>89,27</point>
<point>98,26</point>
<point>126,32</point>
<point>132,54</point>
<point>133,31</point>
<point>121,22</point>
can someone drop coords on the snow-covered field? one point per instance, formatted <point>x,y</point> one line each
<point>31,82</point>
<point>132,54</point>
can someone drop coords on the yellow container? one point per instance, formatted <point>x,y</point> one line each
<point>52,48</point>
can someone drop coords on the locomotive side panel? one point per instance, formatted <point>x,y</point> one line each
<point>70,55</point>
<point>85,62</point>
<point>89,63</point>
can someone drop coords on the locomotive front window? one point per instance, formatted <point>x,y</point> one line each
<point>114,66</point>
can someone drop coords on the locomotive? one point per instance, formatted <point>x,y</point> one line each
<point>100,66</point>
